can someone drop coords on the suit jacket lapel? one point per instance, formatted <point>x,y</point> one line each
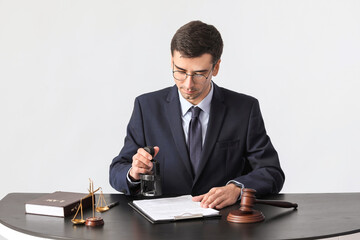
<point>217,113</point>
<point>175,122</point>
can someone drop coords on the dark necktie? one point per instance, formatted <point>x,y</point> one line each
<point>195,138</point>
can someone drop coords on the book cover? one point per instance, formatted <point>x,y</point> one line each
<point>58,204</point>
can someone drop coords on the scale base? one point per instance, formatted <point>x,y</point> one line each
<point>238,216</point>
<point>94,221</point>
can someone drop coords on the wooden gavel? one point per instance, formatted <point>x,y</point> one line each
<point>246,213</point>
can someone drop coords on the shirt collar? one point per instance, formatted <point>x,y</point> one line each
<point>204,104</point>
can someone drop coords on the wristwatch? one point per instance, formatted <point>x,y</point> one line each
<point>238,184</point>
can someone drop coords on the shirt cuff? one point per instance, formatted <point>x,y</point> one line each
<point>238,184</point>
<point>129,180</point>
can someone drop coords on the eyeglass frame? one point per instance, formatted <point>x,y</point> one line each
<point>192,75</point>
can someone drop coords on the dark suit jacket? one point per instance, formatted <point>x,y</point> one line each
<point>236,145</point>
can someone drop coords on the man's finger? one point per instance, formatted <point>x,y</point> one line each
<point>210,196</point>
<point>213,199</point>
<point>138,163</point>
<point>144,153</point>
<point>157,149</point>
<point>222,205</point>
<point>198,198</point>
<point>205,200</point>
<point>143,157</point>
<point>217,201</point>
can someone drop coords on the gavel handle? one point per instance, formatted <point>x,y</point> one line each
<point>275,203</point>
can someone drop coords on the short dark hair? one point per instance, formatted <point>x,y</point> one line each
<point>196,38</point>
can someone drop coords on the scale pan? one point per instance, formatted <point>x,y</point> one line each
<point>78,221</point>
<point>102,209</point>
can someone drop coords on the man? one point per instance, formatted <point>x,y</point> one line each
<point>210,141</point>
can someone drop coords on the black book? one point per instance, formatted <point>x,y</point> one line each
<point>58,204</point>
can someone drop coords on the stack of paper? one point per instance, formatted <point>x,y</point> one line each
<point>172,209</point>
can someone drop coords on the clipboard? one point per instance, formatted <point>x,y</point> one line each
<point>201,213</point>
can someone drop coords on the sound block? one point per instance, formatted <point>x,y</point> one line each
<point>238,216</point>
<point>94,221</point>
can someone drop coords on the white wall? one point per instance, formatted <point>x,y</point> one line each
<point>70,70</point>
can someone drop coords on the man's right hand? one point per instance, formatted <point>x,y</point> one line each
<point>141,163</point>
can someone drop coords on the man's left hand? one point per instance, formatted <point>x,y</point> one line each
<point>219,197</point>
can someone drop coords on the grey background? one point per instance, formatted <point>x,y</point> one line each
<point>70,71</point>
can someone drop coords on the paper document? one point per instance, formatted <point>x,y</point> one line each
<point>175,208</point>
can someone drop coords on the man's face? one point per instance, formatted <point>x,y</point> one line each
<point>194,90</point>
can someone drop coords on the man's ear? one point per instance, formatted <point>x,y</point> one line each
<point>172,62</point>
<point>216,68</point>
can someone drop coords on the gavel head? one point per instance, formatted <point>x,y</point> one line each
<point>247,200</point>
<point>246,213</point>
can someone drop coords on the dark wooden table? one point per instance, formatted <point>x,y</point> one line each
<point>318,216</point>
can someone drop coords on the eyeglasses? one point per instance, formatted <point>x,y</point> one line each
<point>182,75</point>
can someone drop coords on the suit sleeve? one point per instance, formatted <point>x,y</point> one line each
<point>122,163</point>
<point>265,174</point>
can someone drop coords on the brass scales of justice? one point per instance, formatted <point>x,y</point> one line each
<point>101,206</point>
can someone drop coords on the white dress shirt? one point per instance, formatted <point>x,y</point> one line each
<point>205,105</point>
